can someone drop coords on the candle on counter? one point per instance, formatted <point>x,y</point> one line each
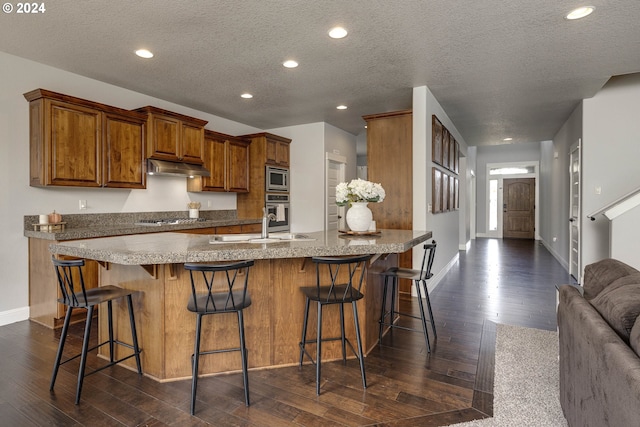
<point>44,219</point>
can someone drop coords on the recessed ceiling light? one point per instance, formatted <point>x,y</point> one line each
<point>290,63</point>
<point>246,96</point>
<point>341,107</point>
<point>337,33</point>
<point>144,53</point>
<point>508,139</point>
<point>580,12</point>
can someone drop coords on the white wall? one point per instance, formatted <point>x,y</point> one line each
<point>554,187</point>
<point>611,149</point>
<point>307,154</point>
<point>306,157</point>
<point>625,235</point>
<point>446,227</point>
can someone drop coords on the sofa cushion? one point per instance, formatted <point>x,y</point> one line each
<point>619,304</point>
<point>601,274</point>
<point>634,337</point>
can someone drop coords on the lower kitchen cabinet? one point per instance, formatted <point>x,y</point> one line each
<point>44,290</point>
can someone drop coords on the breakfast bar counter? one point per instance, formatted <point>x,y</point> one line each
<point>152,264</point>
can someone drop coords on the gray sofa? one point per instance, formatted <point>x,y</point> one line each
<point>599,336</point>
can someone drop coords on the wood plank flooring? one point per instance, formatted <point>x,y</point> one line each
<point>504,281</point>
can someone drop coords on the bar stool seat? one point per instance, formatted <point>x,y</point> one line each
<point>70,278</point>
<point>420,278</point>
<point>339,291</point>
<point>213,293</point>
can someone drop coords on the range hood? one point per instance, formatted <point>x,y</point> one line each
<point>164,167</point>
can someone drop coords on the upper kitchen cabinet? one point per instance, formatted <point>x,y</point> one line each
<point>277,150</point>
<point>227,159</point>
<point>174,137</point>
<point>75,142</point>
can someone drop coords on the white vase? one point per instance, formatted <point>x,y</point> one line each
<point>359,216</point>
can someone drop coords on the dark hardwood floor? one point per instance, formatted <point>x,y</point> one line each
<point>510,281</point>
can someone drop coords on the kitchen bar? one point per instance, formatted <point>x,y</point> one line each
<point>153,265</point>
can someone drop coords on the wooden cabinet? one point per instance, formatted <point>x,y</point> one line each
<point>174,137</point>
<point>44,290</point>
<point>390,162</point>
<point>277,150</point>
<point>266,148</point>
<point>123,151</point>
<point>75,142</point>
<point>227,159</point>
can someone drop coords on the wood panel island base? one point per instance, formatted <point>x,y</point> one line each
<point>154,266</point>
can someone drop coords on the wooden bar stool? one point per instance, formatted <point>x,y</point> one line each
<point>420,278</point>
<point>213,293</point>
<point>338,291</point>
<point>76,295</point>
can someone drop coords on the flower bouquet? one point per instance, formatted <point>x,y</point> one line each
<point>359,190</point>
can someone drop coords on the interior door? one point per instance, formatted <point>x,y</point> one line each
<point>335,174</point>
<point>519,199</point>
<point>574,212</point>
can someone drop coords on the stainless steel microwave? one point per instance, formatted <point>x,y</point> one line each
<point>277,179</point>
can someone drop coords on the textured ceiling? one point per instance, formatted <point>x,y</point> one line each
<point>498,68</point>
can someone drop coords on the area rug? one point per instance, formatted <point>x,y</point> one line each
<point>526,389</point>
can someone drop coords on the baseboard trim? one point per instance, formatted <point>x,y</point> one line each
<point>436,278</point>
<point>13,316</point>
<point>556,255</point>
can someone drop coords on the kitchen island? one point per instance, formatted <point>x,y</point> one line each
<point>153,265</point>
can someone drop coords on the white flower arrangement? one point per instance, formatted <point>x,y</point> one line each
<point>359,190</point>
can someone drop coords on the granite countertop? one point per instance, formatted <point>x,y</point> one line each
<point>89,226</point>
<point>127,229</point>
<point>169,248</point>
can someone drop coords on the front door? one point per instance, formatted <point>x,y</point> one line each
<point>335,171</point>
<point>519,208</point>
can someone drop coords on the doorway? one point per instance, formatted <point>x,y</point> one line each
<point>519,201</point>
<point>497,174</point>
<point>335,174</point>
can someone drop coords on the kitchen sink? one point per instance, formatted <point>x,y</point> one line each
<point>257,238</point>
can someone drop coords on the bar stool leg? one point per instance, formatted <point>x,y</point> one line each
<point>319,349</point>
<point>85,349</point>
<point>433,322</point>
<point>243,357</point>
<point>110,322</point>
<point>134,334</point>
<point>303,339</point>
<point>422,318</point>
<point>195,360</point>
<point>63,339</point>
<point>392,310</point>
<point>383,311</point>
<point>343,338</point>
<point>360,352</point>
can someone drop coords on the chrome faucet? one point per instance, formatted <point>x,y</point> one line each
<point>266,217</point>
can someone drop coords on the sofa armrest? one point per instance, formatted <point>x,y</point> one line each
<point>599,373</point>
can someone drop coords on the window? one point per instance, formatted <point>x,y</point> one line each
<point>493,205</point>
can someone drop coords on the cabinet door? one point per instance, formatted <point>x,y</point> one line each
<point>238,166</point>
<point>163,138</point>
<point>73,151</point>
<point>214,160</point>
<point>277,152</point>
<point>123,152</point>
<point>191,142</point>
<point>282,153</point>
